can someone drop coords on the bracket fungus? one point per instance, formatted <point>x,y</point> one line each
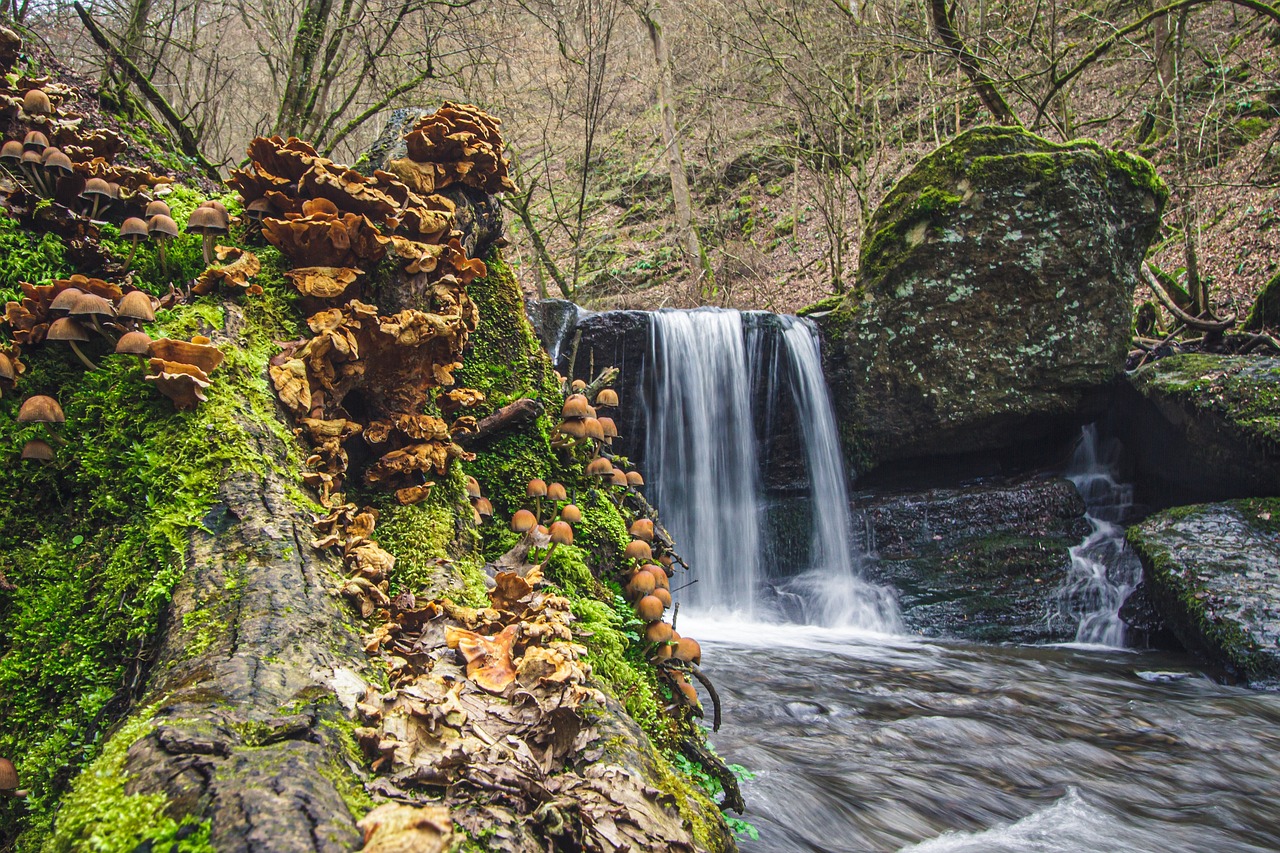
<point>180,369</point>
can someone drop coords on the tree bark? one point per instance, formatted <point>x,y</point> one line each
<point>982,83</point>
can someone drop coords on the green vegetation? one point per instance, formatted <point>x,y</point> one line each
<point>95,541</point>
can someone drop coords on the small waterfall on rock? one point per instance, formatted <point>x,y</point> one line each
<point>707,367</point>
<point>1103,571</point>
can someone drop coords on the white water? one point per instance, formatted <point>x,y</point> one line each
<point>1103,570</point>
<point>702,460</point>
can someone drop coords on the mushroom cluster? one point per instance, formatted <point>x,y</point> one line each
<point>458,143</point>
<point>78,310</point>
<point>46,413</point>
<point>367,564</point>
<point>333,224</point>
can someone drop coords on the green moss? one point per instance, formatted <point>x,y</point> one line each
<point>96,540</point>
<point>1242,391</point>
<point>1265,313</point>
<point>36,258</point>
<point>97,815</point>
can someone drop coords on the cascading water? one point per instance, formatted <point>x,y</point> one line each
<point>1103,571</point>
<point>702,460</point>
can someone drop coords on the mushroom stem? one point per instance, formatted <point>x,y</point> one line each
<point>537,512</point>
<point>133,247</point>
<point>93,214</point>
<point>208,248</point>
<point>550,551</point>
<point>53,435</point>
<point>97,325</point>
<point>34,174</point>
<point>83,359</point>
<point>164,262</point>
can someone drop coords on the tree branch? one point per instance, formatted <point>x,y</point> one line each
<point>186,137</point>
<point>981,80</point>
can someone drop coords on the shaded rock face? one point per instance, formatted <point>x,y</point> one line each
<point>1213,572</point>
<point>994,297</point>
<point>1203,427</point>
<point>983,562</point>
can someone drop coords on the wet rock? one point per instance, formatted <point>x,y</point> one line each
<point>614,339</point>
<point>994,297</point>
<point>553,321</point>
<point>984,562</point>
<point>1213,572</point>
<point>1203,427</point>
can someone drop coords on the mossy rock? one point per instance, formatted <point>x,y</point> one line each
<point>1204,427</point>
<point>1213,571</point>
<point>994,296</point>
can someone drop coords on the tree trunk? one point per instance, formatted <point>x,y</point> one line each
<point>688,235</point>
<point>307,40</point>
<point>982,83</point>
<point>247,730</point>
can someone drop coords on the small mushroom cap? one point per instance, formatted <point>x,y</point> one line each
<point>162,225</point>
<point>661,653</point>
<point>642,528</point>
<point>136,305</point>
<point>218,206</point>
<point>640,585</point>
<point>57,161</point>
<point>571,514</point>
<point>575,406</point>
<point>536,489</point>
<point>650,608</point>
<point>35,141</point>
<point>97,186</point>
<point>36,102</point>
<point>66,329</point>
<point>618,478</point>
<point>689,692</point>
<point>556,492</point>
<point>523,521</point>
<point>483,507</point>
<point>6,368</point>
<point>634,479</point>
<point>134,343</point>
<point>658,632</point>
<point>577,385</point>
<point>594,429</point>
<point>575,427</point>
<point>11,151</point>
<point>39,450</point>
<point>133,228</point>
<point>688,650</point>
<point>609,427</point>
<point>206,220</point>
<point>65,300</point>
<point>660,579</point>
<point>92,305</point>
<point>158,208</point>
<point>663,595</point>
<point>600,467</point>
<point>259,208</point>
<point>41,410</point>
<point>561,533</point>
<point>638,549</point>
<point>473,487</point>
<point>31,156</point>
<point>543,531</point>
<point>8,775</point>
<point>607,397</point>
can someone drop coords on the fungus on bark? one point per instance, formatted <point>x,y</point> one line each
<point>234,269</point>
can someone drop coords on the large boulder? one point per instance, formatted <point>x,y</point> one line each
<point>1213,572</point>
<point>994,296</point>
<point>1203,427</point>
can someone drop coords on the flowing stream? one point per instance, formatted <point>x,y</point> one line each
<point>863,739</point>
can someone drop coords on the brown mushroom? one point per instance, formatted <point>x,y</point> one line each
<point>634,480</point>
<point>157,208</point>
<point>575,406</point>
<point>98,193</point>
<point>658,632</point>
<point>68,330</point>
<point>575,427</point>
<point>609,428</point>
<point>600,467</point>
<point>642,528</point>
<point>649,608</point>
<point>208,223</point>
<point>523,521</point>
<point>536,489</point>
<point>94,308</point>
<point>136,308</point>
<point>62,303</point>
<point>162,229</point>
<point>640,585</point>
<point>571,514</point>
<point>483,508</point>
<point>136,344</point>
<point>594,429</point>
<point>561,533</point>
<point>607,397</point>
<point>134,230</point>
<point>473,488</point>
<point>688,650</point>
<point>36,103</point>
<point>11,154</point>
<point>617,478</point>
<point>41,410</point>
<point>38,449</point>
<point>8,777</point>
<point>638,549</point>
<point>35,141</point>
<point>556,492</point>
<point>663,595</point>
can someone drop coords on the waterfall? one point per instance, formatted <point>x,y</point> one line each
<point>707,367</point>
<point>1103,570</point>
